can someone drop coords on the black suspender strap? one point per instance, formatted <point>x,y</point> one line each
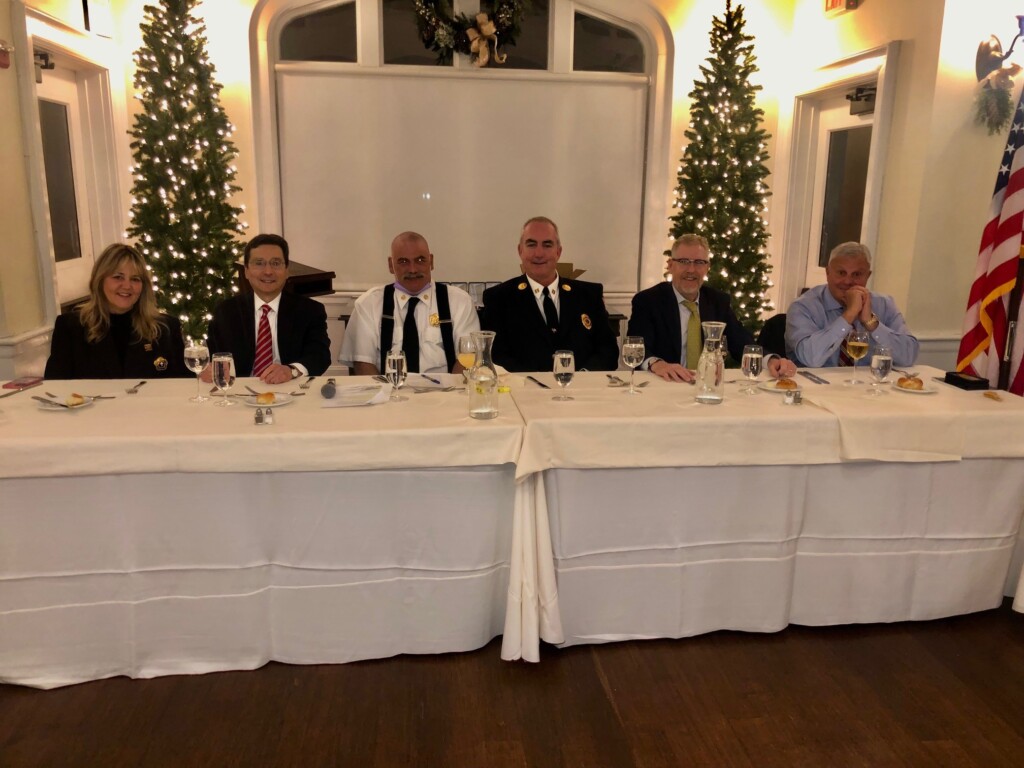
<point>387,324</point>
<point>447,334</point>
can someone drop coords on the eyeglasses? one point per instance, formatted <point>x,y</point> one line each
<point>273,263</point>
<point>419,261</point>
<point>691,262</point>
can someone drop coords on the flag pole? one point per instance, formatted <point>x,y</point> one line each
<point>1011,330</point>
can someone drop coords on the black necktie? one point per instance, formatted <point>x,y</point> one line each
<point>549,311</point>
<point>411,337</point>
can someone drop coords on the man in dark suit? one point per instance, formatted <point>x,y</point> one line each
<point>537,313</point>
<point>668,316</point>
<point>273,335</point>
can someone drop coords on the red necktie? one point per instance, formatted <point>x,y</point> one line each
<point>264,344</point>
<point>845,358</point>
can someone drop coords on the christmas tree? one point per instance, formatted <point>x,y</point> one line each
<point>720,192</point>
<point>182,218</point>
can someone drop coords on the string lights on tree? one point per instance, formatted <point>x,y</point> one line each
<point>720,193</point>
<point>181,214</point>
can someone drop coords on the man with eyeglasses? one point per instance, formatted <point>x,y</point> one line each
<point>273,335</point>
<point>413,314</point>
<point>537,313</point>
<point>668,316</point>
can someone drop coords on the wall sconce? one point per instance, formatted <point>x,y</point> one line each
<point>990,53</point>
<point>993,107</point>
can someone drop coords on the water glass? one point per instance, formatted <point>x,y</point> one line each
<point>564,368</point>
<point>395,372</point>
<point>753,360</point>
<point>881,367</point>
<point>197,357</point>
<point>224,376</point>
<point>632,356</point>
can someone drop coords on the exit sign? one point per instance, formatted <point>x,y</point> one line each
<point>838,6</point>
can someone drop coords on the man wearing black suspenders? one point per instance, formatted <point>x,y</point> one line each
<point>414,314</point>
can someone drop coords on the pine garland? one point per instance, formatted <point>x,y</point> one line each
<point>721,192</point>
<point>181,213</point>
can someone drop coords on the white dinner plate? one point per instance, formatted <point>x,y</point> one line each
<point>280,398</point>
<point>769,386</point>
<point>926,391</point>
<point>54,407</point>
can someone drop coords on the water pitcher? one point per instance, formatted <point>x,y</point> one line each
<point>711,366</point>
<point>483,379</point>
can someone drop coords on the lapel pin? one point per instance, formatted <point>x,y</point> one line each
<point>521,286</point>
<point>160,363</point>
<point>585,319</point>
<point>566,287</point>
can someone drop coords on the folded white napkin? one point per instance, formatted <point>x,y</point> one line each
<point>347,397</point>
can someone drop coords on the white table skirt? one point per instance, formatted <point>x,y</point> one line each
<point>643,553</point>
<point>154,574</point>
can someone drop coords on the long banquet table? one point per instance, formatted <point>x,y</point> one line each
<point>668,518</point>
<point>147,535</point>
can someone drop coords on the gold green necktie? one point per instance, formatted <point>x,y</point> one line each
<point>693,345</point>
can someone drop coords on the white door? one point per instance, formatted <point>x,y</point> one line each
<point>60,122</point>
<point>841,152</point>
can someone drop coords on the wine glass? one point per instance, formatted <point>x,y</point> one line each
<point>632,356</point>
<point>466,355</point>
<point>881,367</point>
<point>564,368</point>
<point>197,357</point>
<point>857,343</point>
<point>395,371</point>
<point>753,359</point>
<point>223,376</point>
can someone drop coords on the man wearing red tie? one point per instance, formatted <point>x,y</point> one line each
<point>272,335</point>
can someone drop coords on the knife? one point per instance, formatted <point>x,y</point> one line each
<point>814,377</point>
<point>50,402</point>
<point>20,389</point>
<point>538,382</point>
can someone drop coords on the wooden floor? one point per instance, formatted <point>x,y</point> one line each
<point>937,693</point>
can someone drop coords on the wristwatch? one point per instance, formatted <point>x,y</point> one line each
<point>295,372</point>
<point>872,324</point>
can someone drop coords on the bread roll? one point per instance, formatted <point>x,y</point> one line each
<point>75,399</point>
<point>265,398</point>
<point>910,382</point>
<point>785,384</point>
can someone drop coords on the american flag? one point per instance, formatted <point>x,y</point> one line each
<point>987,323</point>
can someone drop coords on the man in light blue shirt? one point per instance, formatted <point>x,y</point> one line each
<point>818,322</point>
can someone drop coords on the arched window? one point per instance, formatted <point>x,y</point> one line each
<point>324,35</point>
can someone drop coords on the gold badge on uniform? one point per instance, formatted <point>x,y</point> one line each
<point>160,363</point>
<point>585,318</point>
<point>521,286</point>
<point>434,320</point>
<point>566,287</point>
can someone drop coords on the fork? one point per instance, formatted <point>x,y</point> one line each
<point>307,382</point>
<point>135,389</point>
<point>909,374</point>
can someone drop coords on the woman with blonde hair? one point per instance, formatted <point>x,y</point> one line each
<point>118,333</point>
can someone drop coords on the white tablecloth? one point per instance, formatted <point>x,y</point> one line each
<point>669,518</point>
<point>147,535</point>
